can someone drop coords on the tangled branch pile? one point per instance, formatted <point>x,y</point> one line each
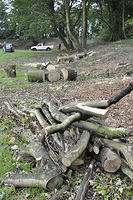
<point>66,132</point>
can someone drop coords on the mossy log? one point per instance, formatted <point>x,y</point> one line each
<point>110,160</point>
<point>101,130</point>
<point>54,110</point>
<point>36,76</point>
<point>76,150</point>
<point>62,126</point>
<point>11,71</point>
<point>47,174</point>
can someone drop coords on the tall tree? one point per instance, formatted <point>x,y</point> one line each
<point>4,31</point>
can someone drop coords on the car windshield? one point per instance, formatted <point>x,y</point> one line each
<point>8,45</point>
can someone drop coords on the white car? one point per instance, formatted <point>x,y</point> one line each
<point>41,47</point>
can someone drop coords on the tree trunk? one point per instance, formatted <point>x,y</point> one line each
<point>110,160</point>
<point>36,76</point>
<point>71,35</point>
<point>84,23</point>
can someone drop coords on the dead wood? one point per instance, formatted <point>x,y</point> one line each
<point>62,126</point>
<point>96,104</point>
<point>83,187</point>
<point>60,192</point>
<point>54,110</point>
<point>76,150</point>
<point>47,174</point>
<point>104,131</point>
<point>68,74</point>
<point>36,75</point>
<point>54,75</point>
<point>126,170</point>
<point>10,71</point>
<point>110,160</point>
<point>70,58</point>
<point>121,94</point>
<point>40,118</point>
<point>125,149</point>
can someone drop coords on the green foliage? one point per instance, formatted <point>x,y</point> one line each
<point>129,28</point>
<point>4,29</point>
<point>110,187</point>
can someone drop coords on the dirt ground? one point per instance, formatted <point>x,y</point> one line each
<point>100,76</point>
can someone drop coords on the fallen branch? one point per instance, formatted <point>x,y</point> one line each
<point>62,126</point>
<point>83,187</point>
<point>76,150</point>
<point>46,174</point>
<point>103,131</point>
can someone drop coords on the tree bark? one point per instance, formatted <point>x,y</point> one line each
<point>110,160</point>
<point>76,150</point>
<point>11,71</point>
<point>36,76</point>
<point>72,37</point>
<point>62,126</point>
<point>83,187</point>
<point>47,174</point>
<point>125,149</point>
<point>104,131</point>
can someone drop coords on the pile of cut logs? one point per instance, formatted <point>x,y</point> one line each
<point>67,132</point>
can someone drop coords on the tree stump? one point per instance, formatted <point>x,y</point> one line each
<point>11,71</point>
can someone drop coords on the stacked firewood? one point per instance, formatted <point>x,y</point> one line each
<point>66,133</point>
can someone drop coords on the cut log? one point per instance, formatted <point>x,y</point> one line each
<point>68,74</point>
<point>40,118</point>
<point>11,71</point>
<point>86,110</point>
<point>125,149</point>
<point>110,160</point>
<point>36,76</point>
<point>95,104</point>
<point>50,67</point>
<point>47,174</point>
<point>83,187</point>
<point>103,131</point>
<point>54,75</point>
<point>76,150</point>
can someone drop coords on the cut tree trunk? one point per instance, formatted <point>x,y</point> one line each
<point>76,150</point>
<point>54,75</point>
<point>47,174</point>
<point>36,76</point>
<point>68,74</point>
<point>110,160</point>
<point>11,71</point>
<point>125,149</point>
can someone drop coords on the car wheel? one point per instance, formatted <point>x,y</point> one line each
<point>48,49</point>
<point>34,49</point>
